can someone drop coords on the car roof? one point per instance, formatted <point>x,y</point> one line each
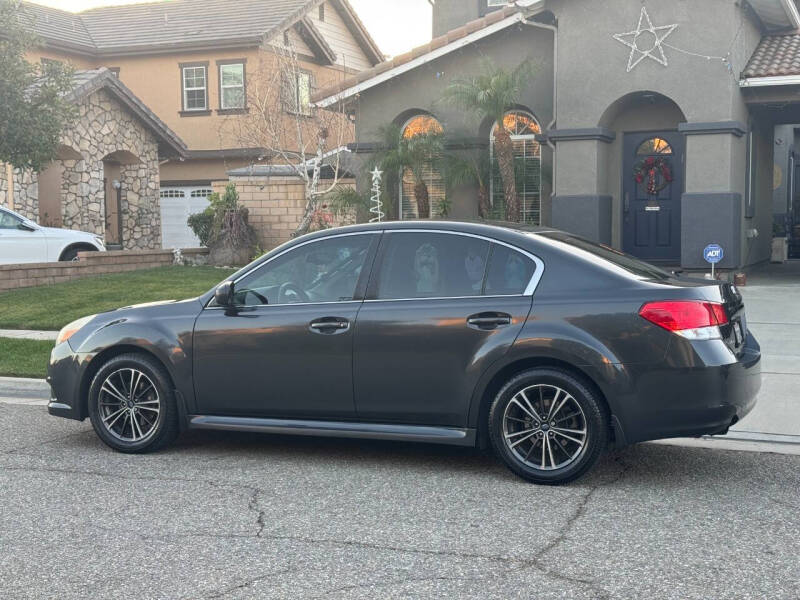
<point>518,233</point>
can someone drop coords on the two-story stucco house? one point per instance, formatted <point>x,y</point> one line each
<point>647,125</point>
<point>190,62</point>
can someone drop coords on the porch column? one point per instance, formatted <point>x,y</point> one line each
<point>711,205</point>
<point>581,204</point>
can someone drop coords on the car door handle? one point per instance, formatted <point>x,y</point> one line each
<point>329,325</point>
<point>489,320</point>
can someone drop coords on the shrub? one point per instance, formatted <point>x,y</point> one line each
<point>224,228</point>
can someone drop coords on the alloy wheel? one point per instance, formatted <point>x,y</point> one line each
<point>544,427</point>
<point>129,405</point>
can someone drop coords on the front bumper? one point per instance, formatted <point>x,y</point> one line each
<point>64,374</point>
<point>700,390</point>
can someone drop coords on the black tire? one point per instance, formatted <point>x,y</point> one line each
<point>509,409</point>
<point>71,254</point>
<point>163,429</point>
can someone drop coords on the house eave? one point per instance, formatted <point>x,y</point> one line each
<point>771,81</point>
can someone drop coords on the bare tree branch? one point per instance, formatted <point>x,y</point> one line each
<point>291,131</point>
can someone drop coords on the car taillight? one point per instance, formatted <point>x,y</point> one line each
<point>692,319</point>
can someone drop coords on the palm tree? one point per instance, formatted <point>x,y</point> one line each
<point>416,154</point>
<point>492,94</point>
<point>470,169</point>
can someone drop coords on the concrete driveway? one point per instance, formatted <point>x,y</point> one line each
<point>772,301</point>
<point>246,516</point>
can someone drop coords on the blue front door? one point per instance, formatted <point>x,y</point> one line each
<point>652,188</point>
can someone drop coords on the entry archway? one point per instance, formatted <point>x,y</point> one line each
<point>114,165</point>
<point>646,177</point>
<point>51,186</point>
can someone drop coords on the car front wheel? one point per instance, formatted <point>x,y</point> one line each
<point>548,426</point>
<point>132,406</point>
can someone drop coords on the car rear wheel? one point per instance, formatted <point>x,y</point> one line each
<point>71,254</point>
<point>548,426</point>
<point>132,406</point>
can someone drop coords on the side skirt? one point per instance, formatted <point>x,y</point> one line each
<point>375,431</point>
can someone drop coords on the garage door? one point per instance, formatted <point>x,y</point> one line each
<point>177,203</point>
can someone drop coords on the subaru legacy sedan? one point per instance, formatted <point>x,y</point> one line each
<point>541,344</point>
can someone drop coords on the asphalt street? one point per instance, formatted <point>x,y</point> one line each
<point>225,515</point>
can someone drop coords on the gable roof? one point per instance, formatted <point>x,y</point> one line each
<point>444,44</point>
<point>88,82</point>
<point>168,25</point>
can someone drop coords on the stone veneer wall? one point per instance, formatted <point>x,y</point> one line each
<point>276,206</point>
<point>103,127</point>
<point>3,186</point>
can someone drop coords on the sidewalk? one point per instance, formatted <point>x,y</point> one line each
<point>26,334</point>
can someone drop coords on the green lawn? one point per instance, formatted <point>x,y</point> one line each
<point>51,307</point>
<point>24,358</point>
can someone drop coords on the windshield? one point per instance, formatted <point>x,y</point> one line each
<point>619,259</point>
<point>10,220</point>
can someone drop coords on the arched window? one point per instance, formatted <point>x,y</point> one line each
<point>652,146</point>
<point>523,128</point>
<point>419,125</point>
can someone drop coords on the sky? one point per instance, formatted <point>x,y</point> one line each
<point>396,25</point>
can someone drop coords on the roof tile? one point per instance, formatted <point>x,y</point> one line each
<point>175,24</point>
<point>775,56</point>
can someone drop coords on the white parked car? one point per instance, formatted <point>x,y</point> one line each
<point>23,241</point>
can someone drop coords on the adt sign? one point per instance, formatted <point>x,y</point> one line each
<point>713,253</point>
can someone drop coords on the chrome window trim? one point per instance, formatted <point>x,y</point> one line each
<point>447,298</point>
<point>300,245</point>
<point>529,290</point>
<point>290,304</point>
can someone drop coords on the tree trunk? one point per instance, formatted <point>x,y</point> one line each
<point>483,202</point>
<point>308,215</point>
<point>504,148</point>
<point>423,200</point>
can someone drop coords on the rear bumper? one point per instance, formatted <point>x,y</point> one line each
<point>706,396</point>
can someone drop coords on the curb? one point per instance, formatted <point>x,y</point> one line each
<point>754,444</point>
<point>25,382</point>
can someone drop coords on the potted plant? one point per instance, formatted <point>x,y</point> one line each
<point>780,244</point>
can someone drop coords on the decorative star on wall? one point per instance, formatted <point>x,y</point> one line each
<point>646,41</point>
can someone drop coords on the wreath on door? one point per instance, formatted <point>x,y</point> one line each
<point>655,171</point>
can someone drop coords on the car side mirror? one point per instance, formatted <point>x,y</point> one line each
<point>223,295</point>
<point>25,227</point>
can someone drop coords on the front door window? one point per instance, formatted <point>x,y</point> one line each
<point>323,271</point>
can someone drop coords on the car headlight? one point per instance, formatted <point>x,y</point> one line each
<point>71,329</point>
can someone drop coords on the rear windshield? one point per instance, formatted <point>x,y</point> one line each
<point>632,265</point>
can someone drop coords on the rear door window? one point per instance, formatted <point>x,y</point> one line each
<point>432,265</point>
<point>509,273</point>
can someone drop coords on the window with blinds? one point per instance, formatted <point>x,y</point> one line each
<point>419,125</point>
<point>527,166</point>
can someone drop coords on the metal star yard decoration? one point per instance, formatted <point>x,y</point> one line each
<point>646,41</point>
